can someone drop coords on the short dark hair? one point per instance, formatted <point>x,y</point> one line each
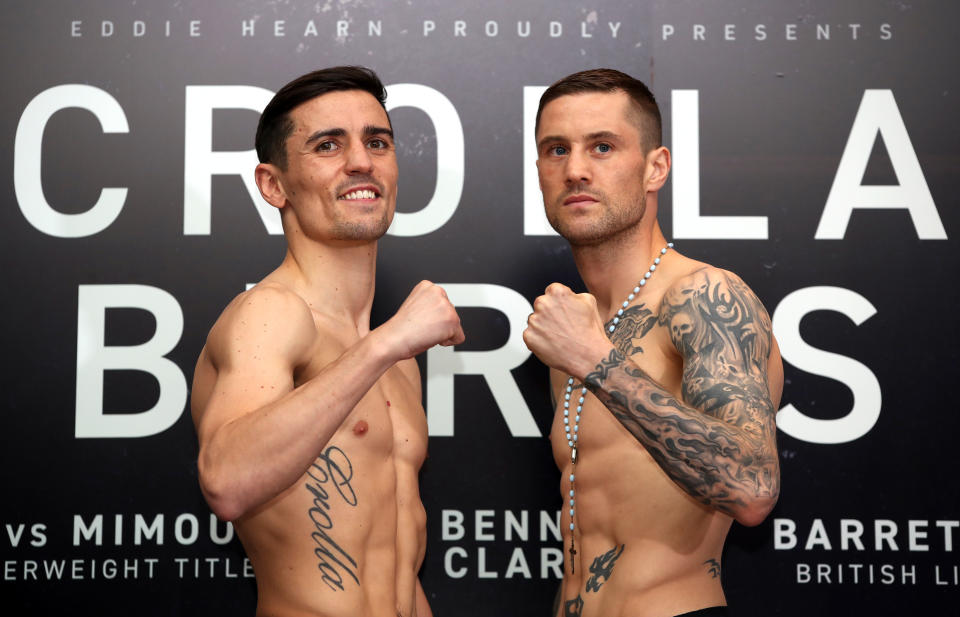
<point>275,124</point>
<point>610,80</point>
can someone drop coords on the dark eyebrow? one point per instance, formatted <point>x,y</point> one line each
<point>368,131</point>
<point>602,135</point>
<point>325,133</point>
<point>371,130</point>
<point>549,138</point>
<point>590,137</point>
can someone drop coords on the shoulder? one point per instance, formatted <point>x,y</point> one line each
<point>709,308</point>
<point>270,316</point>
<point>711,287</point>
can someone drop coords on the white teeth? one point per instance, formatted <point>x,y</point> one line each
<point>360,195</point>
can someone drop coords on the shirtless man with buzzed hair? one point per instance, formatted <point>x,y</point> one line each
<point>310,424</point>
<point>667,374</point>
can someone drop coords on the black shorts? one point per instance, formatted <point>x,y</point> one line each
<point>713,611</point>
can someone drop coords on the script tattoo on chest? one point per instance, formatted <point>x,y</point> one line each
<point>330,477</point>
<point>602,568</point>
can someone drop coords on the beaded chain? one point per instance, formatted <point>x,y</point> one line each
<point>572,437</point>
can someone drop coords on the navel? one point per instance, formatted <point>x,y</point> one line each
<point>360,428</point>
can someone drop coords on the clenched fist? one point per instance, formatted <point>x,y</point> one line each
<point>566,332</point>
<point>426,318</point>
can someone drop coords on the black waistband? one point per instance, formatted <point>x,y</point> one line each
<point>713,611</point>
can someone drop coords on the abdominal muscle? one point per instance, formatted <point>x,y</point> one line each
<point>348,537</point>
<point>644,547</point>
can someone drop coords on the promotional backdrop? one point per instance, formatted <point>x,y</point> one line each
<point>815,154</point>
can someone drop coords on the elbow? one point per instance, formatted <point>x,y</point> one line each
<point>215,490</point>
<point>223,509</point>
<point>754,510</point>
<point>758,498</point>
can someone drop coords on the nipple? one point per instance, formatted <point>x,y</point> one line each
<point>360,428</point>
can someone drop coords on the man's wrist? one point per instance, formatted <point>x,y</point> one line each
<point>383,347</point>
<point>596,358</point>
<point>596,377</point>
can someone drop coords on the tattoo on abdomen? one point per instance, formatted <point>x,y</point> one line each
<point>573,608</point>
<point>331,474</point>
<point>602,568</point>
<point>718,442</point>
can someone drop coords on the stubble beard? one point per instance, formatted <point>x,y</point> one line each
<point>361,231</point>
<point>613,221</point>
<point>345,227</point>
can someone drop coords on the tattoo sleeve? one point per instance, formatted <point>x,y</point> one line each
<point>719,442</point>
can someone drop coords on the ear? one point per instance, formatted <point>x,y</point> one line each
<point>268,181</point>
<point>539,177</point>
<point>657,168</point>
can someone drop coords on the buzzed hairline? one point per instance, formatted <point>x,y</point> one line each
<point>635,115</point>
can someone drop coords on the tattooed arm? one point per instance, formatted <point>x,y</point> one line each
<point>719,442</point>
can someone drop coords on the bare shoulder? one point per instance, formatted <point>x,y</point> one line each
<point>268,318</point>
<point>262,334</point>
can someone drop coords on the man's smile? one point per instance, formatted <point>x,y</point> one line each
<point>366,192</point>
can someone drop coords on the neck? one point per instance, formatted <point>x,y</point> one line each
<point>336,280</point>
<point>612,268</point>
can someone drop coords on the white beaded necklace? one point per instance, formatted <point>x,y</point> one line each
<point>572,437</point>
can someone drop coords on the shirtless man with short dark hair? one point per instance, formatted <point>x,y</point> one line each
<point>667,374</point>
<point>310,424</point>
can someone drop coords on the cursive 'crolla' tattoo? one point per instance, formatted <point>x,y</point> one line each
<point>330,476</point>
<point>719,442</point>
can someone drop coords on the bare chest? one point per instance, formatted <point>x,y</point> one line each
<point>648,345</point>
<point>389,420</point>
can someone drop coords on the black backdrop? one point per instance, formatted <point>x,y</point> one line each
<point>829,126</point>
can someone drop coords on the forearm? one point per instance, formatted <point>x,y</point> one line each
<point>727,467</point>
<point>249,460</point>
